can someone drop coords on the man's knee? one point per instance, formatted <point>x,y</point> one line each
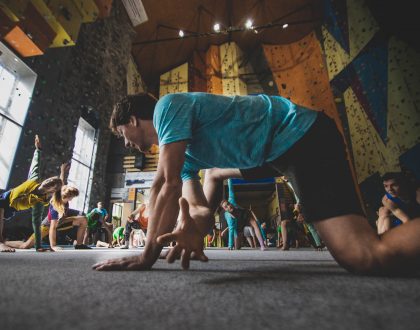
<point>366,261</point>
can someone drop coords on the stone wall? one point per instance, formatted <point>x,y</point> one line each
<point>84,80</point>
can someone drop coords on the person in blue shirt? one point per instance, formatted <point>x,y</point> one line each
<point>237,216</point>
<point>400,204</point>
<point>250,137</point>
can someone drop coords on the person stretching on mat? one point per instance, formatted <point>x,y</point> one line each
<point>30,194</point>
<point>244,216</point>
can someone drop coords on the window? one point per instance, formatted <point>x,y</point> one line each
<point>81,170</point>
<point>17,83</point>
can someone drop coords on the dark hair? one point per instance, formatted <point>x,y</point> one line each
<point>400,178</point>
<point>140,105</point>
<point>397,176</point>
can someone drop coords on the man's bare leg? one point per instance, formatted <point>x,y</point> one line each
<point>395,252</point>
<point>86,236</point>
<point>250,242</point>
<point>28,244</point>
<point>284,235</point>
<point>257,231</point>
<point>3,246</point>
<point>82,223</point>
<point>102,244</point>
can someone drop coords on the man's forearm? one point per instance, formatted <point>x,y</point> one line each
<point>400,214</point>
<point>164,211</point>
<point>52,234</point>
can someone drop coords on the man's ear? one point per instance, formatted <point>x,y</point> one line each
<point>133,121</point>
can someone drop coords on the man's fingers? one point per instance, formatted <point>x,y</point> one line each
<point>185,259</point>
<point>173,254</point>
<point>163,254</point>
<point>199,256</point>
<point>166,238</point>
<point>185,209</point>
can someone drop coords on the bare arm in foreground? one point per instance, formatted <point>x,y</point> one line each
<point>164,198</point>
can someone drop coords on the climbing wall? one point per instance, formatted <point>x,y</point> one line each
<point>230,58</point>
<point>197,81</point>
<point>86,80</point>
<point>378,80</point>
<point>174,81</point>
<point>301,76</point>
<point>213,71</point>
<point>135,84</point>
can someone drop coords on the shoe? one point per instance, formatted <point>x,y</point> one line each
<point>125,247</point>
<point>82,247</point>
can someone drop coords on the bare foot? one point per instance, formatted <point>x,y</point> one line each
<point>127,263</point>
<point>5,248</point>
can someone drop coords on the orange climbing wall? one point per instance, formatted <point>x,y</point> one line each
<point>301,76</point>
<point>213,71</point>
<point>197,81</point>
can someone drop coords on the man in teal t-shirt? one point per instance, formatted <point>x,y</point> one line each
<point>250,137</point>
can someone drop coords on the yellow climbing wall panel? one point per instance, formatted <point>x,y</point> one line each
<point>134,82</point>
<point>362,26</point>
<point>371,153</point>
<point>230,57</point>
<point>174,81</point>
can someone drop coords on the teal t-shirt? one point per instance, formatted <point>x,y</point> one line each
<point>229,132</point>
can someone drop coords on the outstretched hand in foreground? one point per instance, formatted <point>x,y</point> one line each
<point>188,239</point>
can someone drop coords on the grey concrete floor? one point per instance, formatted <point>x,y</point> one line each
<point>244,289</point>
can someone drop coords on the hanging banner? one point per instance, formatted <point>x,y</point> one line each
<point>139,179</point>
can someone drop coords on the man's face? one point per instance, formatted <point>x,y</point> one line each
<point>227,207</point>
<point>392,187</point>
<point>99,205</point>
<point>133,135</point>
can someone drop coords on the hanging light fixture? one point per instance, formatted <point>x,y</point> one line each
<point>248,24</point>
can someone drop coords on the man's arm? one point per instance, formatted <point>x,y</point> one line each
<point>213,184</point>
<point>395,209</point>
<point>164,195</point>
<point>53,235</point>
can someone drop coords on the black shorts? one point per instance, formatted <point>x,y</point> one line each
<point>318,170</point>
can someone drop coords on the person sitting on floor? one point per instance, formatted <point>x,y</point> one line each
<point>400,204</point>
<point>59,213</point>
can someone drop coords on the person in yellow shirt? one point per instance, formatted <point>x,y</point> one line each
<point>31,194</point>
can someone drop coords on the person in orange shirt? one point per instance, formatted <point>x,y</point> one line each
<point>138,219</point>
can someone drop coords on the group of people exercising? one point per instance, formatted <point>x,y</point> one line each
<point>269,136</point>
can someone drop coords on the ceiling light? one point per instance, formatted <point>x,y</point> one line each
<point>248,24</point>
<point>216,27</point>
<point>285,25</point>
<point>181,33</point>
